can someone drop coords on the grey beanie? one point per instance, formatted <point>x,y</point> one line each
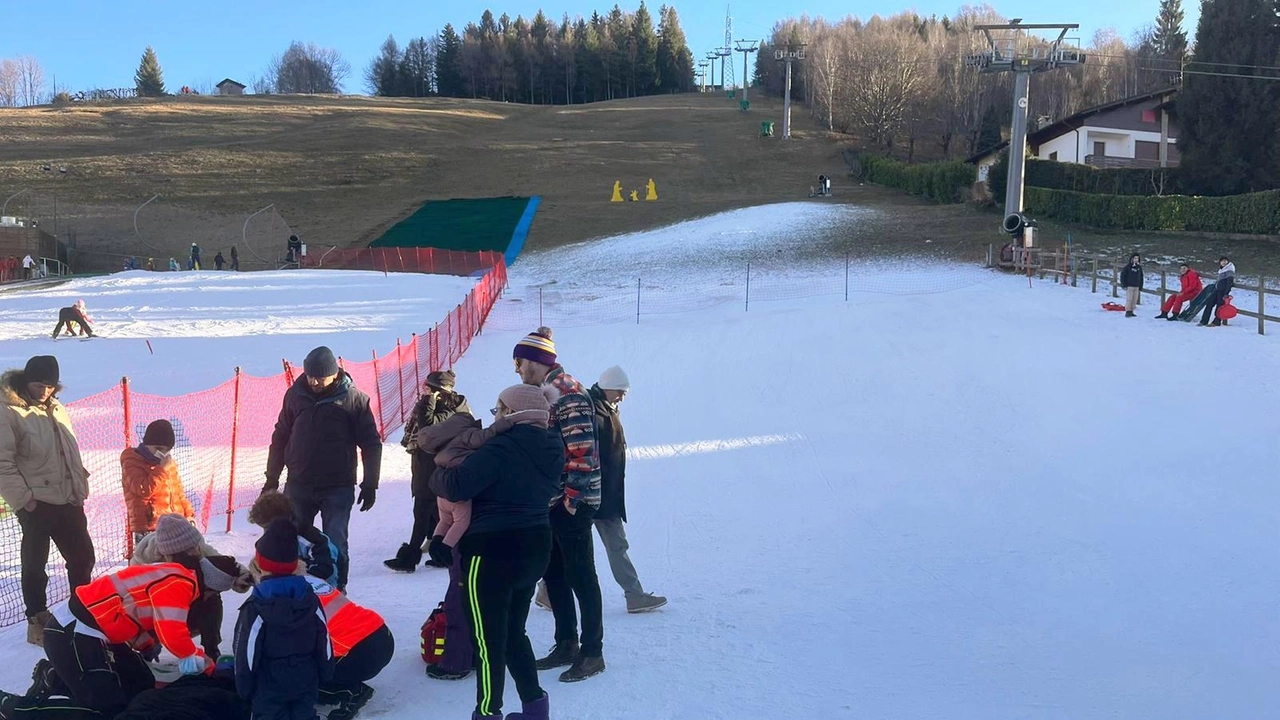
<point>174,535</point>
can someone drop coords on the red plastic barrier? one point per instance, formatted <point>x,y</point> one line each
<point>223,433</point>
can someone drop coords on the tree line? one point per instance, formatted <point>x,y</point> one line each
<point>615,55</point>
<point>902,85</point>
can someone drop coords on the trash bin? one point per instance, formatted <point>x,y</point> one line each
<point>766,128</point>
<point>745,105</point>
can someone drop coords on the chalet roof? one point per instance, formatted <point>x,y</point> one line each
<point>229,81</point>
<point>1077,121</point>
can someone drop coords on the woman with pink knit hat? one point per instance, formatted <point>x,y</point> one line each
<point>510,481</point>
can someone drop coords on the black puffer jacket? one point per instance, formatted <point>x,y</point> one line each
<point>510,480</point>
<point>1132,276</point>
<point>316,437</point>
<point>613,459</point>
<point>430,410</point>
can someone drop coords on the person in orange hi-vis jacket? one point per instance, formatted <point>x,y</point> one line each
<point>99,642</point>
<point>362,647</point>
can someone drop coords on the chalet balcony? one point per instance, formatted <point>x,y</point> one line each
<point>1108,162</point>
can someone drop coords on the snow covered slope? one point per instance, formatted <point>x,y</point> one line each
<point>990,503</point>
<point>202,325</point>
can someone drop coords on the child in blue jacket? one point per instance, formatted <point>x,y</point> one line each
<point>282,647</point>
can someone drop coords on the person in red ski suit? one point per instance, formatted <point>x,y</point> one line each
<point>1191,287</point>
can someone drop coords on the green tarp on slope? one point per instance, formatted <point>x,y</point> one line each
<point>470,225</point>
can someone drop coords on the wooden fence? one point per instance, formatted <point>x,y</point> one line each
<point>1070,268</point>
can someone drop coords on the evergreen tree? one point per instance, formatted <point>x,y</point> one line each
<point>1230,141</point>
<point>989,131</point>
<point>149,80</point>
<point>449,77</point>
<point>1169,42</point>
<point>645,43</point>
<point>416,69</point>
<point>383,76</point>
<point>675,60</point>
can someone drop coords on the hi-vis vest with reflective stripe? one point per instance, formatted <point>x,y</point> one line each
<point>348,622</point>
<point>137,602</point>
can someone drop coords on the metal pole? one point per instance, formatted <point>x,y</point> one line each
<point>846,277</point>
<point>744,75</point>
<point>5,207</point>
<point>1262,304</point>
<point>1017,143</point>
<point>235,431</point>
<point>637,301</point>
<point>748,307</point>
<point>786,106</point>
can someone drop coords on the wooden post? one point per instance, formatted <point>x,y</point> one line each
<point>1262,305</point>
<point>1095,274</point>
<point>1075,273</point>
<point>1115,281</point>
<point>1164,286</point>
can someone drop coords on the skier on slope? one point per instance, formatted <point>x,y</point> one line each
<point>70,316</point>
<point>195,256</point>
<point>1190,287</point>
<point>218,260</point>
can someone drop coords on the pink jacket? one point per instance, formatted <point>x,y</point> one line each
<point>452,442</point>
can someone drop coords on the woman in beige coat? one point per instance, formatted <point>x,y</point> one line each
<point>43,482</point>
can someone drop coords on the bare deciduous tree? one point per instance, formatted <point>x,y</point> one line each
<point>308,68</point>
<point>8,83</point>
<point>30,81</point>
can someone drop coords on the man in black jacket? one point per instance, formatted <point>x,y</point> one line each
<point>510,481</point>
<point>438,404</point>
<point>1131,279</point>
<point>324,419</point>
<point>606,395</point>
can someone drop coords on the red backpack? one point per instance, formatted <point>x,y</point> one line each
<point>433,636</point>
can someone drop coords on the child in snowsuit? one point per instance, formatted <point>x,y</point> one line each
<point>282,646</point>
<point>71,316</point>
<point>314,547</point>
<point>1190,288</point>
<point>451,442</point>
<point>152,485</point>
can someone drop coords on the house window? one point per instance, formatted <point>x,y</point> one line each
<point>1053,156</point>
<point>1149,116</point>
<point>1099,148</point>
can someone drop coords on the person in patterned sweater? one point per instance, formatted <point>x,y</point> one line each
<point>572,570</point>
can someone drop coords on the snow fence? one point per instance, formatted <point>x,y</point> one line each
<point>222,434</point>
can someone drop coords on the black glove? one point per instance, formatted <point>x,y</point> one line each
<point>269,485</point>
<point>152,653</point>
<point>368,496</point>
<point>440,552</point>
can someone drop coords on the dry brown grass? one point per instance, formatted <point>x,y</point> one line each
<point>342,170</point>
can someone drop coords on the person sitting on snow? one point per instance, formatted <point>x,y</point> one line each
<point>1189,289</point>
<point>68,316</point>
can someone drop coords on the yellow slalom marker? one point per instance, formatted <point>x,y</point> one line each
<point>617,191</point>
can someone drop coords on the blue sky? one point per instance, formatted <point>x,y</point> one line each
<point>83,44</point>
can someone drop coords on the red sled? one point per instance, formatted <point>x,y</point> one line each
<point>1227,311</point>
<point>1114,307</point>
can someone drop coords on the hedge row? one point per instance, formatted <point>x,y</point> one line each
<point>944,182</point>
<point>1111,181</point>
<point>1253,213</point>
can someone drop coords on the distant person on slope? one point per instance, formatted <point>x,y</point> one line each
<point>437,404</point>
<point>510,480</point>
<point>195,256</point>
<point>1189,287</point>
<point>1131,279</point>
<point>572,570</point>
<point>173,265</point>
<point>607,395</point>
<point>323,420</point>
<point>44,481</point>
<point>68,317</point>
<point>235,259</point>
<point>28,266</point>
<point>218,260</point>
<point>1226,282</point>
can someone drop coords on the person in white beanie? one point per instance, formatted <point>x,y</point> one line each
<point>607,394</point>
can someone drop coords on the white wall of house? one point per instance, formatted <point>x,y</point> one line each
<point>1075,146</point>
<point>984,167</point>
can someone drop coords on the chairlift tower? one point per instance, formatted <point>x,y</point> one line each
<point>1013,50</point>
<point>711,66</point>
<point>792,52</point>
<point>746,47</point>
<point>702,70</point>
<point>727,78</point>
<point>722,53</point>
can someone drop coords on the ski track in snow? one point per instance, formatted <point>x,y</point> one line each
<point>990,503</point>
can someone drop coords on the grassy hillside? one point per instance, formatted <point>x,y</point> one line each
<point>341,170</point>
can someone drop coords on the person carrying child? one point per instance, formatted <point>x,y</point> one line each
<point>283,652</point>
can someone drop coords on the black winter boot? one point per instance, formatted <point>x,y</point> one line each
<point>1130,314</point>
<point>1216,323</point>
<point>583,668</point>
<point>562,654</point>
<point>406,559</point>
<point>1172,318</point>
<point>1162,316</point>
